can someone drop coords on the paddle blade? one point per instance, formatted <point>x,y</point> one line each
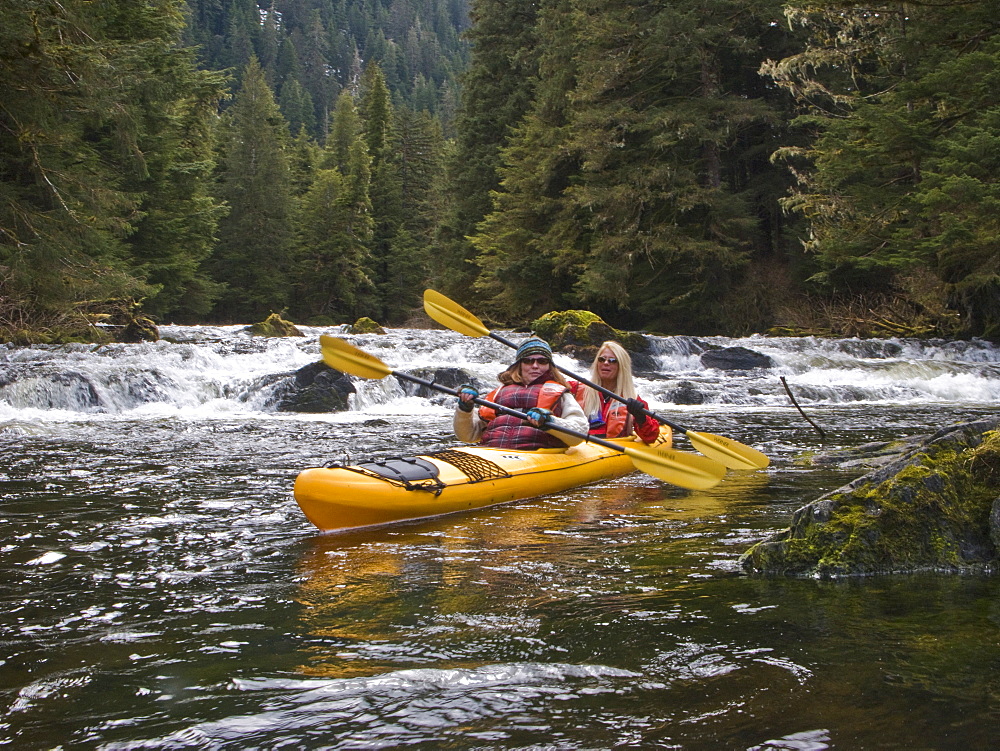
<point>677,467</point>
<point>733,454</point>
<point>347,358</point>
<point>451,314</point>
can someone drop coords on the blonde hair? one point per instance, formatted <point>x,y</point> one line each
<point>624,386</point>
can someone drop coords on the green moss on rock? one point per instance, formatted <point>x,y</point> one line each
<point>930,509</point>
<point>366,325</point>
<point>139,329</point>
<point>582,332</point>
<point>274,325</point>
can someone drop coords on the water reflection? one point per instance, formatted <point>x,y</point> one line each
<point>161,589</point>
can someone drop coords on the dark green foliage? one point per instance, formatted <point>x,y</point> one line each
<point>316,46</point>
<point>497,92</point>
<point>626,184</point>
<point>176,230</point>
<point>105,143</point>
<point>251,258</point>
<point>418,150</point>
<point>331,258</point>
<point>902,175</point>
<point>612,156</point>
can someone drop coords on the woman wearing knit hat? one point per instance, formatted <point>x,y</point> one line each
<point>530,385</point>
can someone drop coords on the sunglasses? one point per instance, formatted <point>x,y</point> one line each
<point>536,360</point>
<point>612,360</point>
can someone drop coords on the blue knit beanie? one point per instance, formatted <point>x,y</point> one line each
<point>534,346</point>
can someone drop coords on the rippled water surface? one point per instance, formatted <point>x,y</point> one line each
<point>161,589</point>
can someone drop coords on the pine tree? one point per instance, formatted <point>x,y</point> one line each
<point>176,112</point>
<point>344,131</point>
<point>331,258</point>
<point>304,160</point>
<point>530,215</point>
<point>297,107</point>
<point>899,183</point>
<point>376,113</point>
<point>93,150</point>
<point>620,188</point>
<point>418,147</point>
<point>656,121</point>
<point>252,254</point>
<point>497,91</point>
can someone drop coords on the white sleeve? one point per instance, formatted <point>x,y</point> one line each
<point>572,418</point>
<point>467,425</point>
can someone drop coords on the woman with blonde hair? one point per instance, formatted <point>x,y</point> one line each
<point>609,417</point>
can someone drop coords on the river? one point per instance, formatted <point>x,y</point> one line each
<point>160,588</point>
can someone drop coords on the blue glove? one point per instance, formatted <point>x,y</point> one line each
<point>539,415</point>
<point>472,391</point>
<point>636,408</point>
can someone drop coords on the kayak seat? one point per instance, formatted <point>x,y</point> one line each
<point>416,473</point>
<point>410,472</point>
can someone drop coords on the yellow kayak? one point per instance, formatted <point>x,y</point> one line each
<point>457,479</point>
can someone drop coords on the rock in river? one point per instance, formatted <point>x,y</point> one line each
<point>936,507</point>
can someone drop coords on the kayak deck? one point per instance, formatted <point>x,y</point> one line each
<point>465,477</point>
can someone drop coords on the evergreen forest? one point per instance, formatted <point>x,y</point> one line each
<point>825,167</point>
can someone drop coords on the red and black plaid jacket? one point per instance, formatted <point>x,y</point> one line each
<point>506,432</point>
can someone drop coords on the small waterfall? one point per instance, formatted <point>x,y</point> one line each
<point>204,371</point>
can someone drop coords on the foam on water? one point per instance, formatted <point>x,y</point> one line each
<point>221,372</point>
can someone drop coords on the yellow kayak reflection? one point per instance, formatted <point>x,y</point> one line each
<point>488,573</point>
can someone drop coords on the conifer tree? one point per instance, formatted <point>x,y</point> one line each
<point>175,116</point>
<point>252,255</point>
<point>305,158</point>
<point>96,156</point>
<point>497,91</point>
<point>376,113</point>
<point>418,148</point>
<point>530,215</point>
<point>297,107</point>
<point>900,184</point>
<point>331,258</point>
<point>621,185</point>
<point>345,129</point>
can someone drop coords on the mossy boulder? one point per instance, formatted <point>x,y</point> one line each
<point>936,507</point>
<point>365,325</point>
<point>139,329</point>
<point>580,332</point>
<point>274,325</point>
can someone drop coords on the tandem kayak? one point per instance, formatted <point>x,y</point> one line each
<point>456,479</point>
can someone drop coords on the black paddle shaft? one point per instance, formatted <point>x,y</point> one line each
<point>502,409</point>
<point>606,392</point>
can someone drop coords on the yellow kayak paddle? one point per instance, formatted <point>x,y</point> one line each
<point>730,453</point>
<point>672,466</point>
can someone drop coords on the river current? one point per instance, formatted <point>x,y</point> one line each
<point>160,588</point>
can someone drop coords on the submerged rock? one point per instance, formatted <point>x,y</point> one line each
<point>935,507</point>
<point>314,389</point>
<point>685,393</point>
<point>735,358</point>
